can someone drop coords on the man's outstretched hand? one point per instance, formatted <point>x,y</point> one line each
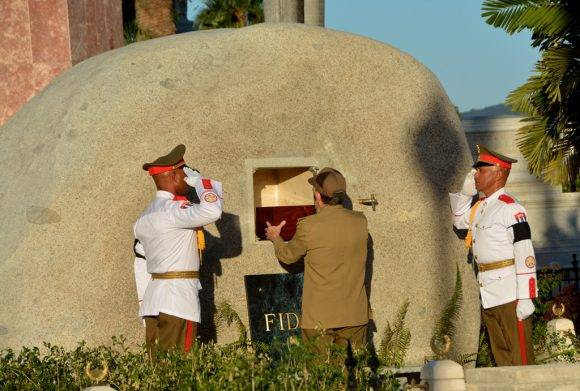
<point>273,231</point>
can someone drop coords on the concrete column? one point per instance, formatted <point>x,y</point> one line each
<point>314,12</point>
<point>284,11</point>
<point>443,375</point>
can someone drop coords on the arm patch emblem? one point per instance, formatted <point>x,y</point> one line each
<point>521,231</point>
<point>530,262</point>
<point>210,197</point>
<point>520,217</point>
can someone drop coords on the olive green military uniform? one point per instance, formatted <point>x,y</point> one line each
<point>333,243</point>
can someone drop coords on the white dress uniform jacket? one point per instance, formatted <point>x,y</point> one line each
<point>166,241</point>
<point>500,232</point>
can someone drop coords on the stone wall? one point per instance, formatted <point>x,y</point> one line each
<point>40,39</point>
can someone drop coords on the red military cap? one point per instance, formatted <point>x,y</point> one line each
<point>487,157</point>
<point>171,161</point>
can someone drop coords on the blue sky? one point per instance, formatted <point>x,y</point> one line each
<point>477,64</point>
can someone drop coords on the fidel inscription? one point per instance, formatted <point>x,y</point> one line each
<point>274,305</point>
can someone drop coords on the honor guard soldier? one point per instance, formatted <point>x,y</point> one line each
<point>499,237</point>
<point>333,243</point>
<point>166,248</point>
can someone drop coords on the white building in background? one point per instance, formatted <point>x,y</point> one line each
<point>554,216</point>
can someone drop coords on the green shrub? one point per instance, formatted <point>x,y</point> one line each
<point>281,366</point>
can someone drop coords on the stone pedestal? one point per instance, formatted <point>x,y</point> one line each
<point>40,39</point>
<point>443,375</point>
<point>562,327</point>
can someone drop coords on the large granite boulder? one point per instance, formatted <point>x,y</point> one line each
<point>269,96</point>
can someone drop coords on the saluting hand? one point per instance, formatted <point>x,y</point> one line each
<point>273,231</point>
<point>468,188</point>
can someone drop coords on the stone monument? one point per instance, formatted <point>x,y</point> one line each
<point>259,108</point>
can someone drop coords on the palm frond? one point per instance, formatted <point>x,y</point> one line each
<point>520,100</point>
<point>396,339</point>
<point>445,325</point>
<point>464,358</point>
<point>547,19</point>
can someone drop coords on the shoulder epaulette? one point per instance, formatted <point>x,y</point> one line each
<point>506,198</point>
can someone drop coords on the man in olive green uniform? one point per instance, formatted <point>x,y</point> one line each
<point>333,243</point>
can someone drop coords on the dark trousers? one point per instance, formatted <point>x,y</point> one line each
<point>322,339</point>
<point>166,332</point>
<point>504,335</point>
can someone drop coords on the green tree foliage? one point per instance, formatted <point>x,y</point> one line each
<point>230,13</point>
<point>396,340</point>
<point>550,99</point>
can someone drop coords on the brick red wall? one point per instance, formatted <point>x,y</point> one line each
<point>41,38</point>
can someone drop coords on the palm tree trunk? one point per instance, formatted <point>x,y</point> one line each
<point>154,18</point>
<point>241,18</point>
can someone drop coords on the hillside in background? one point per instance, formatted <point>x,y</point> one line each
<point>495,110</point>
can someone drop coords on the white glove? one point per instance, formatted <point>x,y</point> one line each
<point>192,177</point>
<point>217,186</point>
<point>524,308</point>
<point>468,188</point>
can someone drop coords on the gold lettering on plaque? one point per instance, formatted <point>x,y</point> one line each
<point>281,322</point>
<point>268,321</point>
<point>290,327</point>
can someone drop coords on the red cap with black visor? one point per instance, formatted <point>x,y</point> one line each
<point>487,157</point>
<point>171,161</point>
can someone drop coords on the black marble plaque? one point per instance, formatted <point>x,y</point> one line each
<point>274,305</point>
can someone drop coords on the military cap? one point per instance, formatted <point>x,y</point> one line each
<point>487,157</point>
<point>328,181</point>
<point>171,161</point>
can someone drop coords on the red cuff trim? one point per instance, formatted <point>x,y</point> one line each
<point>532,285</point>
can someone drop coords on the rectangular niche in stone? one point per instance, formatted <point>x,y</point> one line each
<point>282,193</point>
<point>274,305</point>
